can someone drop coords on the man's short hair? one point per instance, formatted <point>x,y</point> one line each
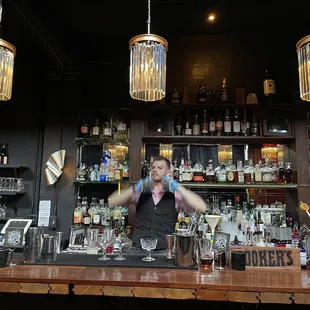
<point>159,158</point>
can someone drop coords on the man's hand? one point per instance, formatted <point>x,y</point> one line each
<point>144,185</point>
<point>171,184</point>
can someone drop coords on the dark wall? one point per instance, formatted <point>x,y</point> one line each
<point>33,134</point>
<point>238,57</point>
<point>21,126</point>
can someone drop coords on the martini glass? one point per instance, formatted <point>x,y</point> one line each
<point>212,221</point>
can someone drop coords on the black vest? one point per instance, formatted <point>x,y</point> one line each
<point>155,221</point>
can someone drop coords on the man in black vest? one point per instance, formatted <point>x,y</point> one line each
<point>158,200</point>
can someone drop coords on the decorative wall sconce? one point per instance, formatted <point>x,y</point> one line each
<point>54,165</point>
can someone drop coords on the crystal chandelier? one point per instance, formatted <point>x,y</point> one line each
<point>303,53</point>
<point>147,76</point>
<point>7,54</point>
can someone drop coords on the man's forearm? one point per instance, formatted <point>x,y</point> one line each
<point>192,199</point>
<point>121,199</point>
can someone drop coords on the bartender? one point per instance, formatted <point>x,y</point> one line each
<point>158,200</point>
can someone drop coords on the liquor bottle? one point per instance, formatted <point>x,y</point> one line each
<point>188,128</point>
<point>126,167</point>
<point>254,127</point>
<point>236,124</point>
<point>219,126</point>
<point>202,91</point>
<point>95,130</point>
<point>245,125</point>
<point>212,126</point>
<point>205,124</point>
<point>303,256</point>
<point>84,130</point>
<point>4,156</point>
<point>288,174</point>
<point>269,86</point>
<point>296,238</point>
<point>78,214</point>
<point>86,218</point>
<point>178,127</point>
<point>175,98</point>
<point>281,172</point>
<point>224,94</point>
<point>227,124</point>
<point>196,127</point>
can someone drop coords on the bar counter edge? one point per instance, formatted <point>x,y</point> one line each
<point>251,286</point>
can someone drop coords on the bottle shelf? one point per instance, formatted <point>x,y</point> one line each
<point>229,185</point>
<point>9,166</point>
<point>99,182</point>
<point>4,219</point>
<point>100,141</point>
<point>12,193</point>
<point>214,140</point>
<point>201,106</point>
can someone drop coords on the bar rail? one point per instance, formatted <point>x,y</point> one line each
<point>251,286</point>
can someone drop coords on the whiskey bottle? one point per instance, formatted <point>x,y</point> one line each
<point>212,126</point>
<point>269,86</point>
<point>202,91</point>
<point>224,95</point>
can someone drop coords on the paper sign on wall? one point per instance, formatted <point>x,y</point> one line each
<point>44,212</point>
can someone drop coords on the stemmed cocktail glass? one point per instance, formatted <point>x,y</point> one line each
<point>148,244</point>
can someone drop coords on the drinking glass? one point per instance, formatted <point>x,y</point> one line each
<point>105,240</point>
<point>205,254</point>
<point>11,250</point>
<point>148,244</point>
<point>122,242</point>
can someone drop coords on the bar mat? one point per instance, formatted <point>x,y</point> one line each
<point>130,261</point>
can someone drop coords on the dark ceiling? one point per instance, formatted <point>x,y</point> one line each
<point>93,31</point>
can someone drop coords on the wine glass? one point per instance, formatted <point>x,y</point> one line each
<point>148,244</point>
<point>122,242</point>
<point>11,250</point>
<point>105,240</point>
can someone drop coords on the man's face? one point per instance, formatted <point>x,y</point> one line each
<point>159,170</point>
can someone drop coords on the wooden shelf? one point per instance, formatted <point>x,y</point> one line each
<point>228,185</point>
<point>197,106</point>
<point>100,141</point>
<point>214,140</point>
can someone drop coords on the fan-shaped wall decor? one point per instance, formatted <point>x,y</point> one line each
<point>54,165</point>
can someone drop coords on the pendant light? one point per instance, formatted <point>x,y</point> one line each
<point>7,55</point>
<point>303,53</point>
<point>147,77</point>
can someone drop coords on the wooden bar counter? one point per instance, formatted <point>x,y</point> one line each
<point>251,286</point>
